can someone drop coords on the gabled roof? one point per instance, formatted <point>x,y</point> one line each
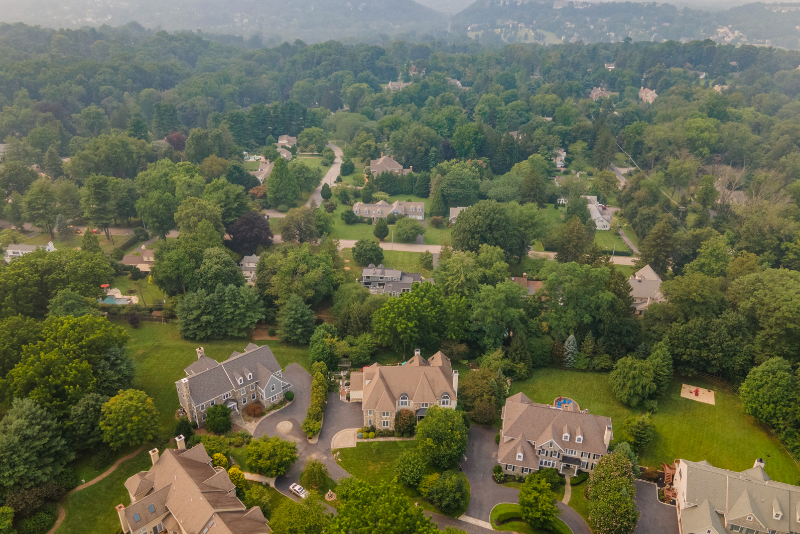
<point>422,380</point>
<point>701,519</point>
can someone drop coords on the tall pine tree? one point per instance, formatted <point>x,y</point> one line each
<point>570,351</point>
<point>53,166</point>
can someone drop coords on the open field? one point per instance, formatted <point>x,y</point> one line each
<point>721,434</point>
<point>405,261</point>
<point>374,463</point>
<point>607,240</point>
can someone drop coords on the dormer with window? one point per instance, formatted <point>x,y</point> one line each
<point>578,439</point>
<point>777,513</point>
<point>519,456</point>
<point>445,399</point>
<point>403,400</point>
<point>249,376</point>
<point>241,380</point>
<point>565,437</point>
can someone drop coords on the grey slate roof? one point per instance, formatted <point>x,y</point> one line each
<point>209,383</point>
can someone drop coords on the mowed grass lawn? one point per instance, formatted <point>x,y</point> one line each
<point>607,240</point>
<point>373,462</point>
<point>721,434</point>
<point>408,262</point>
<point>161,354</point>
<point>559,527</point>
<point>95,505</point>
<point>148,293</point>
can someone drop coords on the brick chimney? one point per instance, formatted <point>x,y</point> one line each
<point>122,521</point>
<point>759,463</point>
<point>181,443</point>
<point>200,352</point>
<point>609,435</point>
<point>154,456</point>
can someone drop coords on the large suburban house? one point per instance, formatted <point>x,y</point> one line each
<point>455,212</point>
<point>183,493</point>
<point>595,210</point>
<point>711,500</point>
<point>382,209</point>
<point>17,250</point>
<point>248,266</point>
<point>248,377</point>
<point>645,288</point>
<point>396,86</point>
<point>647,95</point>
<point>599,92</point>
<point>415,385</point>
<point>387,164</point>
<point>390,281</point>
<point>144,258</point>
<point>286,140</point>
<point>531,286</point>
<point>560,435</point>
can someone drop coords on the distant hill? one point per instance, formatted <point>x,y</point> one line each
<point>571,21</point>
<point>446,6</point>
<point>309,20</point>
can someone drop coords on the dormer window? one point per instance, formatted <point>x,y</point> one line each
<point>565,437</point>
<point>579,439</point>
<point>777,515</point>
<point>403,400</point>
<point>519,456</point>
<point>241,380</point>
<point>551,444</point>
<point>445,400</point>
<point>249,376</point>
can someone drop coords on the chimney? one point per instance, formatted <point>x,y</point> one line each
<point>154,456</point>
<point>455,380</point>
<point>411,169</point>
<point>759,463</point>
<point>122,521</point>
<point>200,352</point>
<point>181,443</point>
<point>417,352</point>
<point>609,435</point>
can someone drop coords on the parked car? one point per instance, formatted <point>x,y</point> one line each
<point>298,490</point>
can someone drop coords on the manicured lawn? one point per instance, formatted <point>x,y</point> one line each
<point>559,527</point>
<point>315,162</point>
<point>721,434</point>
<point>607,240</point>
<point>160,355</point>
<point>239,457</point>
<point>558,490</point>
<point>85,468</point>
<point>578,501</point>
<point>627,270</point>
<point>75,242</point>
<point>631,235</point>
<point>251,165</point>
<point>395,259</point>
<point>95,505</point>
<point>374,463</point>
<point>148,293</point>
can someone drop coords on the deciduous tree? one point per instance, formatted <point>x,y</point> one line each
<point>271,456</point>
<point>537,502</point>
<point>129,419</point>
<point>442,437</point>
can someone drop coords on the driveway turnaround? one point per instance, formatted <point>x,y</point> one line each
<point>485,494</point>
<point>657,517</point>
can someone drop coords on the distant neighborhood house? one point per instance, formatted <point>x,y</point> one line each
<point>390,281</point>
<point>143,258</point>
<point>531,286</point>
<point>415,385</point>
<point>248,266</point>
<point>17,250</point>
<point>598,93</point>
<point>560,435</point>
<point>455,212</point>
<point>182,492</point>
<point>387,164</point>
<point>718,501</point>
<point>396,86</point>
<point>241,379</point>
<point>645,289</point>
<point>382,209</point>
<point>286,140</point>
<point>595,211</point>
<point>647,95</point>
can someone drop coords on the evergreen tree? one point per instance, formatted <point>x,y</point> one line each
<point>296,321</point>
<point>438,207</point>
<point>367,192</point>
<point>326,192</point>
<point>64,233</point>
<point>433,158</point>
<point>573,242</point>
<point>605,148</point>
<point>53,166</point>
<point>348,167</point>
<point>137,127</point>
<point>656,248</point>
<point>89,243</point>
<point>589,346</point>
<point>282,187</point>
<point>381,229</point>
<point>570,351</point>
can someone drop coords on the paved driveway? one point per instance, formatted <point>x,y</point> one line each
<point>657,517</point>
<point>485,493</point>
<point>339,415</point>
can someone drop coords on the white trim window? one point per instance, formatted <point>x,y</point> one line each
<point>385,423</point>
<point>565,437</point>
<point>571,452</point>
<point>203,407</point>
<point>249,376</point>
<point>252,396</point>
<point>369,412</point>
<point>252,387</point>
<point>241,381</point>
<point>423,404</point>
<point>272,388</point>
<point>403,400</point>
<point>244,400</point>
<point>519,456</point>
<point>211,403</point>
<point>579,439</point>
<point>243,392</point>
<point>546,463</point>
<point>445,399</point>
<point>386,414</point>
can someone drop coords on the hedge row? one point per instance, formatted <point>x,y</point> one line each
<point>508,515</point>
<point>319,391</point>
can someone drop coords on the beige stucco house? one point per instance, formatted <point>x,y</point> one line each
<point>248,377</point>
<point>416,385</point>
<point>560,435</point>
<point>382,209</point>
<point>183,493</point>
<point>387,164</point>
<point>645,289</point>
<point>711,500</point>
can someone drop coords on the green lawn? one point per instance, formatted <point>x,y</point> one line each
<point>75,242</point>
<point>239,457</point>
<point>315,162</point>
<point>251,165</point>
<point>374,463</point>
<point>578,501</point>
<point>160,355</point>
<point>607,240</point>
<point>721,434</point>
<point>405,261</point>
<point>631,235</point>
<point>559,526</point>
<point>148,293</point>
<point>95,505</point>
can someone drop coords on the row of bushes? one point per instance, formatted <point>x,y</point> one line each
<point>220,444</point>
<point>508,515</point>
<point>312,424</point>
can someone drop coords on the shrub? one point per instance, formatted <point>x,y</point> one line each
<point>254,410</point>
<point>311,427</point>
<point>218,419</point>
<point>508,515</point>
<point>215,444</point>
<point>319,392</point>
<point>283,208</point>
<point>426,261</point>
<point>238,439</point>
<point>238,480</point>
<point>579,479</point>
<point>314,475</point>
<point>427,483</point>
<point>371,435</point>
<point>436,222</point>
<point>650,475</point>
<point>497,440</point>
<point>551,476</point>
<point>407,230</point>
<point>329,206</point>
<point>26,502</point>
<point>184,428</point>
<point>141,234</point>
<point>117,254</point>
<point>289,395</point>
<point>449,492</point>
<point>219,460</point>
<point>349,217</point>
<point>41,522</point>
<point>67,479</point>
<point>405,421</point>
<point>391,218</point>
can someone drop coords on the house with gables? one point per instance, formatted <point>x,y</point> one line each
<point>711,500</point>
<point>182,493</point>
<point>382,209</point>
<point>560,435</point>
<point>416,385</point>
<point>247,377</point>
